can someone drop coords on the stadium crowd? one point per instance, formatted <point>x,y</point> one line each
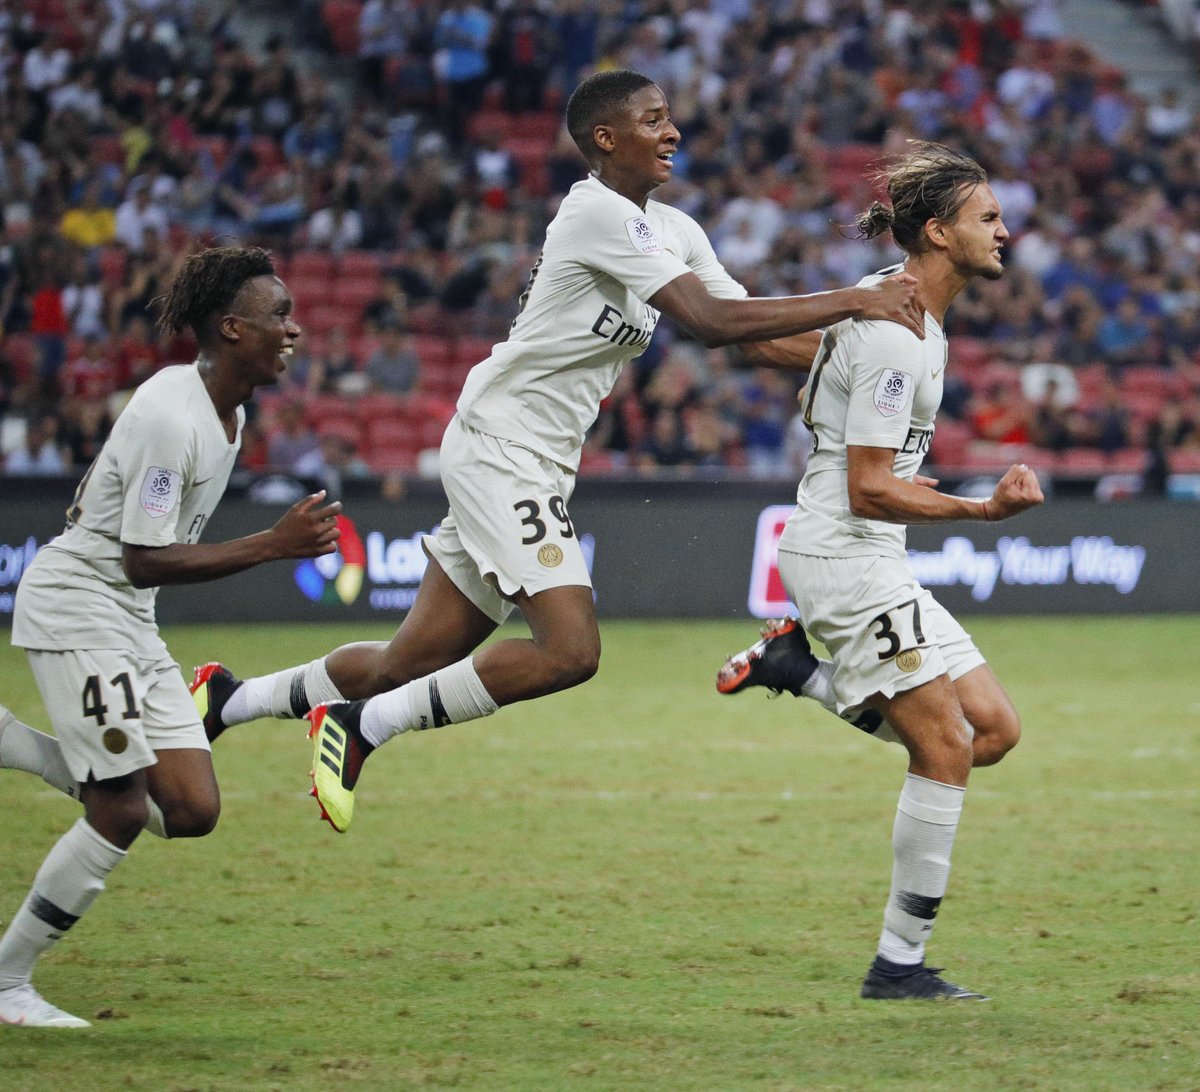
<point>402,159</point>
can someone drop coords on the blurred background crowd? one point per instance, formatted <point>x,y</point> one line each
<point>402,159</point>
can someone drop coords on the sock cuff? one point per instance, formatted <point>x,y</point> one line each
<point>98,850</point>
<point>469,678</point>
<point>318,686</point>
<point>931,801</point>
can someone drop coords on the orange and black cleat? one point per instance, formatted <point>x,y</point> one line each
<point>781,660</point>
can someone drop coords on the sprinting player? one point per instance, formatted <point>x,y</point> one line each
<point>902,667</point>
<point>613,261</point>
<point>127,729</point>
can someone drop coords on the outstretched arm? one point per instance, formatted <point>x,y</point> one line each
<point>714,320</point>
<point>307,529</point>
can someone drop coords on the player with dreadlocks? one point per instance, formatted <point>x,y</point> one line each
<point>129,742</point>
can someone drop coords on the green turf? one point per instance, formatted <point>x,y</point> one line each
<point>641,885</point>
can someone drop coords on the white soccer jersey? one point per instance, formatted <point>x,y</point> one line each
<point>156,481</point>
<point>873,384</point>
<point>583,316</point>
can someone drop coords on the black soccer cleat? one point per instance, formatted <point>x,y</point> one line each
<point>888,981</point>
<point>781,660</point>
<point>212,686</point>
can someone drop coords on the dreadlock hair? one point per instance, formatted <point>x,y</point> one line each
<point>930,181</point>
<point>596,99</point>
<point>206,284</point>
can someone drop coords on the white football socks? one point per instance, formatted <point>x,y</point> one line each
<point>283,694</point>
<point>25,748</point>
<point>71,877</point>
<point>448,696</point>
<point>922,839</point>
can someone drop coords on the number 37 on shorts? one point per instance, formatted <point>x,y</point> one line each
<point>899,634</point>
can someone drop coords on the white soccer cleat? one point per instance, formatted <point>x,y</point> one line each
<point>23,1006</point>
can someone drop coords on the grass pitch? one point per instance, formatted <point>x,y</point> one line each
<point>642,885</point>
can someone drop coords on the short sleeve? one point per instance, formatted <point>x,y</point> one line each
<point>703,261</point>
<point>616,237</point>
<point>882,386</point>
<point>154,461</point>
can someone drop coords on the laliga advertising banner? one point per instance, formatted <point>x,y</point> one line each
<point>684,549</point>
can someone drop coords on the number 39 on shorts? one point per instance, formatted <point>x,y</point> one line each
<point>533,523</point>
<point>899,629</point>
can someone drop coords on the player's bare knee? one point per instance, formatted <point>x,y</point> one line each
<point>192,818</point>
<point>943,751</point>
<point>575,664</point>
<point>118,818</point>
<point>996,736</point>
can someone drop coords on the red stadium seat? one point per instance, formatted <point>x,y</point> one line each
<point>540,126</point>
<point>360,264</point>
<point>434,351</point>
<point>1083,461</point>
<point>392,432</point>
<point>485,122</point>
<point>392,457</point>
<point>1185,461</point>
<point>531,154</point>
<point>1129,460</point>
<point>22,353</point>
<point>312,263</point>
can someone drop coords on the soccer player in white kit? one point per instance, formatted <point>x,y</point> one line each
<point>902,668</point>
<point>129,741</point>
<point>613,261</point>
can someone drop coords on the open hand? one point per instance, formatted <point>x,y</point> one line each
<point>309,528</point>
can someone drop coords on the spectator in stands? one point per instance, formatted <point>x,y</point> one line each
<point>1107,424</point>
<point>83,299</point>
<point>394,366</point>
<point>86,432</point>
<point>334,462</point>
<point>291,439</point>
<point>41,455</point>
<point>1124,336</point>
<point>462,36</point>
<point>137,214</point>
<point>334,368</point>
<point>138,352</point>
<point>383,27</point>
<point>89,224</point>
<point>1050,426</point>
<point>523,49</point>
<point>390,306</point>
<point>666,444</point>
<point>1002,415</point>
<point>336,227</point>
<point>88,378</point>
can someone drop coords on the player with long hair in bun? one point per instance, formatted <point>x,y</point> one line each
<point>128,741</point>
<point>901,668</point>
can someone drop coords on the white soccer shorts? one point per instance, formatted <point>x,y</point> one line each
<point>508,529</point>
<point>112,711</point>
<point>885,633</point>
